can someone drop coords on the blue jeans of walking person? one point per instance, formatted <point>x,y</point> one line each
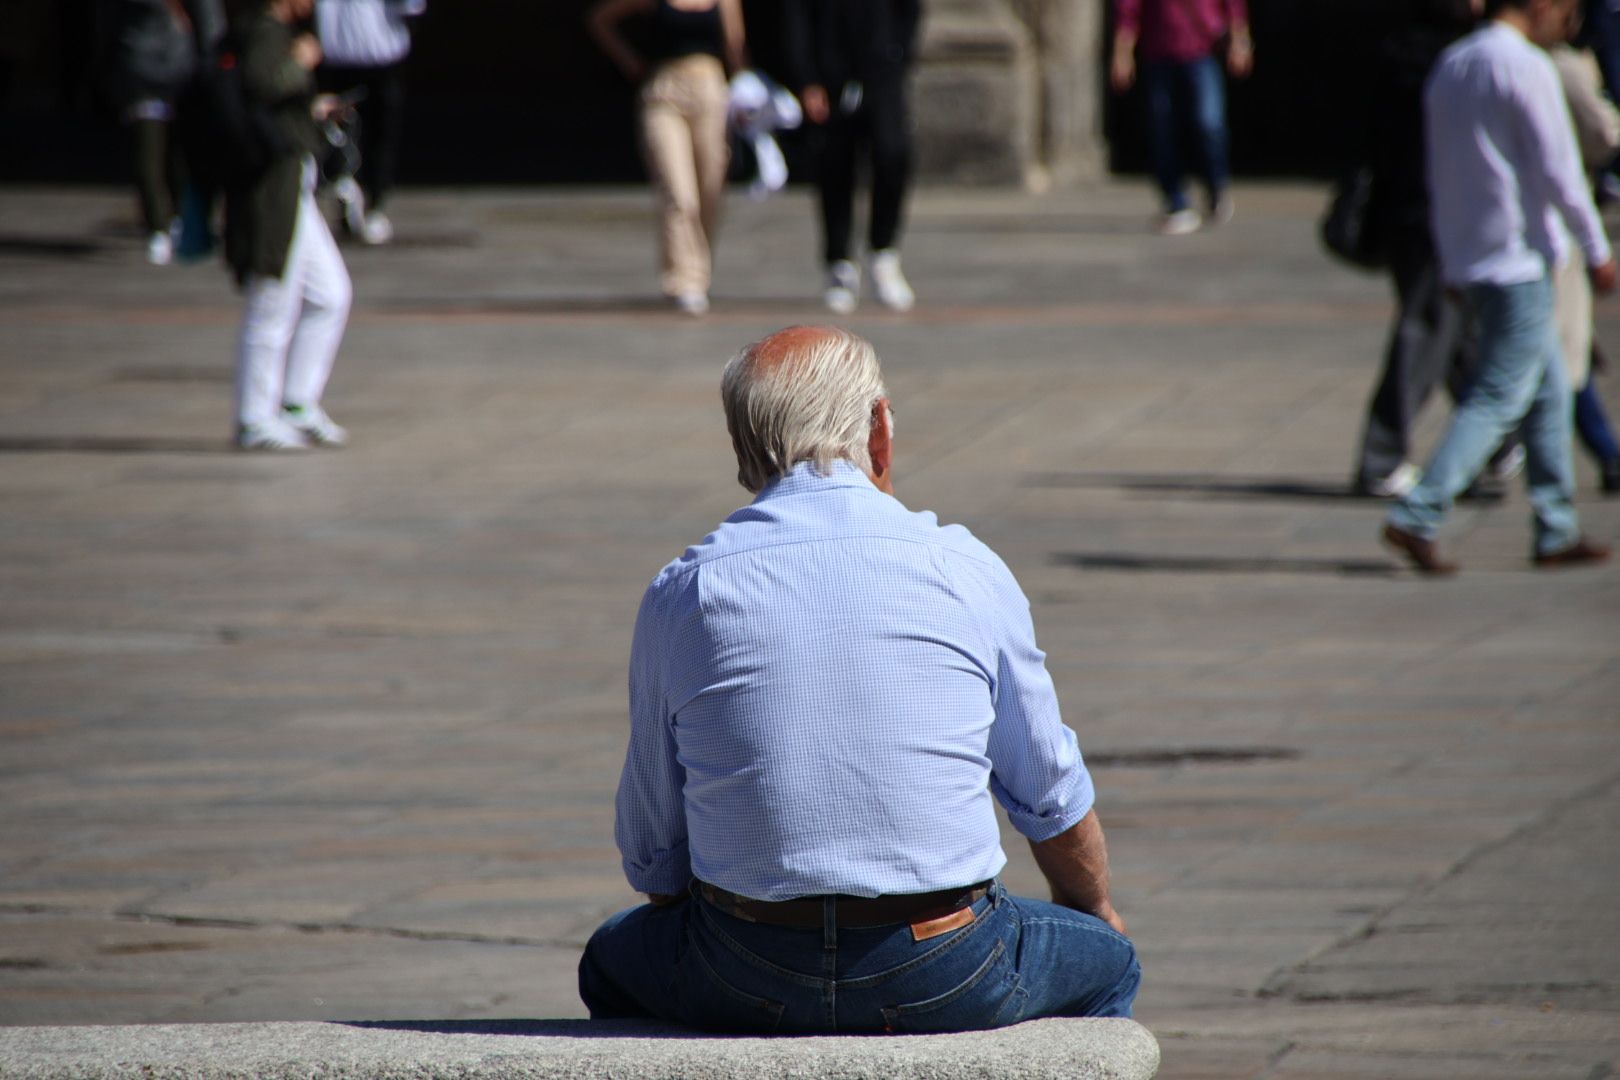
<point>692,963</point>
<point>1179,92</point>
<point>1520,375</point>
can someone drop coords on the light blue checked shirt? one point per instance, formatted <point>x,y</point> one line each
<point>825,693</point>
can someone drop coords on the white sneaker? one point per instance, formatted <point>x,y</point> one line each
<point>270,435</point>
<point>1401,480</point>
<point>377,229</point>
<point>843,287</point>
<point>311,423</point>
<point>692,303</point>
<point>160,249</point>
<point>1220,213</point>
<point>1179,222</point>
<point>893,290</point>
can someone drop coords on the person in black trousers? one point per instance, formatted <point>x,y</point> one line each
<point>850,61</point>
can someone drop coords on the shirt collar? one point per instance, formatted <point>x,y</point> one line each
<point>805,477</point>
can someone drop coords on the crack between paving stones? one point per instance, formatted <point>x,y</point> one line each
<point>1272,987</point>
<point>354,929</point>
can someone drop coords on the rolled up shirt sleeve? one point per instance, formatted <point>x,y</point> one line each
<point>1037,773</point>
<point>650,821</point>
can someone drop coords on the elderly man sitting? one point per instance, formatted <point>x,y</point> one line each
<point>825,694</point>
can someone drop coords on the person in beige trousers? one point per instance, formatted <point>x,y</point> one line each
<point>683,123</point>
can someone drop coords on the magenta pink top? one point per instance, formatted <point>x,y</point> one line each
<point>1178,29</point>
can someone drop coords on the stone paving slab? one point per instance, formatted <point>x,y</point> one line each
<point>335,738</point>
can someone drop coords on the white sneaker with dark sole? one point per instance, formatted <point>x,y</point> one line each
<point>314,426</point>
<point>270,435</point>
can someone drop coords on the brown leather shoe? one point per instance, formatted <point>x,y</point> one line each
<point>1424,554</point>
<point>1579,553</point>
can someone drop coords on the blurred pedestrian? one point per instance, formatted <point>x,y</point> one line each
<point>851,61</point>
<point>684,99</point>
<point>297,288</point>
<point>200,192</point>
<point>1597,133</point>
<point>1172,44</point>
<point>1503,167</point>
<point>153,55</point>
<point>1428,343</point>
<point>365,44</point>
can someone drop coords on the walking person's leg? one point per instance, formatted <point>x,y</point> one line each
<point>1161,83</point>
<point>1550,465</point>
<point>1421,344</point>
<point>711,154</point>
<point>326,296</point>
<point>269,318</point>
<point>835,186</point>
<point>1516,324</point>
<point>666,139</point>
<point>889,132</point>
<point>1207,90</point>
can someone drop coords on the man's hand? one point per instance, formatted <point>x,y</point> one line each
<point>325,106</point>
<point>814,100</point>
<point>1604,277</point>
<point>1122,69</point>
<point>1075,864</point>
<point>306,52</point>
<point>1240,54</point>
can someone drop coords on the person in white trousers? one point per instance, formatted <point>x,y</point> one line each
<point>296,287</point>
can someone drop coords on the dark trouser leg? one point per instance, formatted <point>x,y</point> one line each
<point>835,178</point>
<point>1423,348</point>
<point>1207,92</point>
<point>889,129</point>
<point>1162,81</point>
<point>382,126</point>
<point>154,176</point>
<point>1592,424</point>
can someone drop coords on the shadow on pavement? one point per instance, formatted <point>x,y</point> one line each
<point>114,444</point>
<point>1221,564</point>
<point>49,247</point>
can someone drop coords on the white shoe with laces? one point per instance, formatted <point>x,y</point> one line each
<point>270,435</point>
<point>311,423</point>
<point>843,290</point>
<point>890,284</point>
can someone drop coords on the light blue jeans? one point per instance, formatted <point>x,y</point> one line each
<point>691,963</point>
<point>1520,376</point>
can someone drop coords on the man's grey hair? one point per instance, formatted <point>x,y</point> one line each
<point>809,398</point>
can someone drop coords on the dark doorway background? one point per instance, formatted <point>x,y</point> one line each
<point>512,91</point>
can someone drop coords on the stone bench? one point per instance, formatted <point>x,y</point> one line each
<point>567,1050</point>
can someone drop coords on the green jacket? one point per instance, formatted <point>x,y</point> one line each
<point>260,216</point>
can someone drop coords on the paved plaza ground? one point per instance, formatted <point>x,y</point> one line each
<point>336,736</point>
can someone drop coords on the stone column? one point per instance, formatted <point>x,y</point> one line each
<point>976,95</point>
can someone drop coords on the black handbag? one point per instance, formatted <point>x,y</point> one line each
<point>1351,229</point>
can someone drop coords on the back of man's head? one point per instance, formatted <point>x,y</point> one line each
<point>802,394</point>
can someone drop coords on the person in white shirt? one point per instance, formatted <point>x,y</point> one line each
<point>1503,168</point>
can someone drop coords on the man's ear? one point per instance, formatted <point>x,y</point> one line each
<point>880,445</point>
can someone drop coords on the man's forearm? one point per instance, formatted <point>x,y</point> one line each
<point>1075,864</point>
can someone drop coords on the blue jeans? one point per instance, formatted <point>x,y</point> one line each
<point>1179,91</point>
<point>1520,376</point>
<point>691,963</point>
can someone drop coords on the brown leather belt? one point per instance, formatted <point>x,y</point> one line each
<point>852,912</point>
